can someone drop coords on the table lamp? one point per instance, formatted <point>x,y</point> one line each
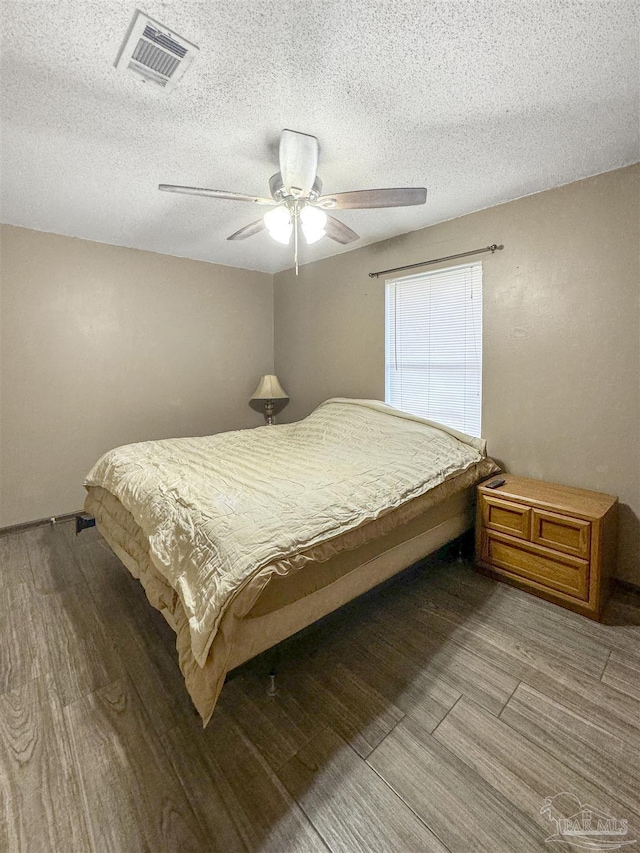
<point>269,390</point>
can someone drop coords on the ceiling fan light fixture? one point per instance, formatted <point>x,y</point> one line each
<point>296,198</point>
<point>313,223</point>
<point>279,225</point>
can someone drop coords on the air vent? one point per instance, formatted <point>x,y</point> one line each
<point>155,52</point>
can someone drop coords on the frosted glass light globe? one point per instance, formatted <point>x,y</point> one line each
<point>278,222</point>
<point>313,223</point>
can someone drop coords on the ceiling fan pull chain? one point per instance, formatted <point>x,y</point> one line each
<point>295,234</point>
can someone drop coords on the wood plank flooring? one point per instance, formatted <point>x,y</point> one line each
<point>436,714</point>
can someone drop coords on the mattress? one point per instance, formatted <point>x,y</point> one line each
<point>282,590</point>
<point>275,617</point>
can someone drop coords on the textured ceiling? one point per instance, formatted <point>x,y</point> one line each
<point>481,102</point>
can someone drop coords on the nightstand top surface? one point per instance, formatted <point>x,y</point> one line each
<point>552,496</point>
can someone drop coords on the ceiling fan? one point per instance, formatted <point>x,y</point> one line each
<point>297,201</point>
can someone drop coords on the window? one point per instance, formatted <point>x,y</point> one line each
<point>434,346</point>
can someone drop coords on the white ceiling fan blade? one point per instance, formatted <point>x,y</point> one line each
<point>248,230</point>
<point>298,162</point>
<point>339,232</point>
<point>172,188</point>
<point>363,199</point>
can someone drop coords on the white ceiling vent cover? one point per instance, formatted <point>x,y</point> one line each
<point>155,52</point>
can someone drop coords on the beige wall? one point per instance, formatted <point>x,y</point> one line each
<point>561,376</point>
<point>101,346</point>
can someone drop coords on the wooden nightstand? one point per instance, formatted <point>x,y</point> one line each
<point>554,541</point>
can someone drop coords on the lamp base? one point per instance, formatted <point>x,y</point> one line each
<point>268,411</point>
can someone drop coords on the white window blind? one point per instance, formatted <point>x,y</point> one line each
<point>434,346</point>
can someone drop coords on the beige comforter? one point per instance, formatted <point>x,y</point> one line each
<point>220,510</point>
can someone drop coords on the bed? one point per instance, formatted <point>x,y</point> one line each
<point>244,538</point>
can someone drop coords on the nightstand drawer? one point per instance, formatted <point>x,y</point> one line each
<point>553,570</point>
<point>562,533</point>
<point>506,517</point>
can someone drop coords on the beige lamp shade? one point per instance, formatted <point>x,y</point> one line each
<point>269,389</point>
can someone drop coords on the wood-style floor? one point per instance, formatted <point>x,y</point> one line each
<point>435,715</point>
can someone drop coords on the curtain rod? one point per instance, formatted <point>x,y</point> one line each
<point>492,248</point>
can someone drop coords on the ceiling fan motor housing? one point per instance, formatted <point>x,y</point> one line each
<point>279,193</point>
